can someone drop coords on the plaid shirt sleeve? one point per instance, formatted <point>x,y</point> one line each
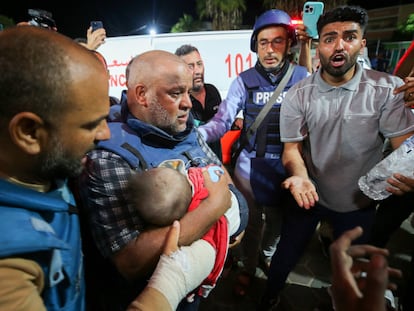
<point>211,156</point>
<point>103,192</point>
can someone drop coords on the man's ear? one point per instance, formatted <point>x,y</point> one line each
<point>141,94</point>
<point>363,44</point>
<point>28,132</point>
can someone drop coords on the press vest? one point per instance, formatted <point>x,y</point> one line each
<point>260,89</point>
<point>44,227</point>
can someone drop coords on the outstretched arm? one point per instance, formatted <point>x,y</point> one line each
<point>299,184</point>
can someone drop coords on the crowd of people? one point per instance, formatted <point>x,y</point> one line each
<point>126,205</point>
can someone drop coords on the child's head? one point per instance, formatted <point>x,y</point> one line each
<point>161,195</point>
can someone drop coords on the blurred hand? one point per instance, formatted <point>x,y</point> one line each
<point>408,89</point>
<point>359,283</point>
<point>236,240</point>
<point>400,184</point>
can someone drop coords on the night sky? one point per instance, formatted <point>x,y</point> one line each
<point>120,17</point>
<point>124,17</point>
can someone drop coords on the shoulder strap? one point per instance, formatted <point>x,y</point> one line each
<point>265,110</point>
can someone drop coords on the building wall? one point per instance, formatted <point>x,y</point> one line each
<point>383,22</point>
<point>381,26</point>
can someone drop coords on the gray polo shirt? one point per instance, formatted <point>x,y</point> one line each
<point>343,129</point>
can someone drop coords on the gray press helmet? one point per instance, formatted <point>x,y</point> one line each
<point>272,17</point>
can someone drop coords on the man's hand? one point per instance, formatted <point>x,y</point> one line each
<point>408,89</point>
<point>400,184</point>
<point>359,283</point>
<point>302,35</point>
<point>95,38</point>
<point>303,190</point>
<point>218,189</point>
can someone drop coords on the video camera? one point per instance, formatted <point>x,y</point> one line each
<point>41,18</point>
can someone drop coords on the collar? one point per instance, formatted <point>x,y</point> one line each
<point>26,197</point>
<point>153,134</point>
<point>36,187</point>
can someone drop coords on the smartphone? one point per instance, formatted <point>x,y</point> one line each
<point>96,25</point>
<point>311,12</point>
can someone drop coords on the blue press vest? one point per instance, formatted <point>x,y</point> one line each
<point>145,146</point>
<point>44,227</point>
<point>259,91</point>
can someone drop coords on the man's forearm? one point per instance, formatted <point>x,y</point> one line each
<point>205,215</point>
<point>294,164</point>
<point>139,258</point>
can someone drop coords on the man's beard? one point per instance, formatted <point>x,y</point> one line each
<point>197,87</point>
<point>275,69</point>
<point>57,163</point>
<point>340,71</point>
<point>161,118</point>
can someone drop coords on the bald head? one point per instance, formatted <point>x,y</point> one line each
<point>152,65</point>
<point>40,70</point>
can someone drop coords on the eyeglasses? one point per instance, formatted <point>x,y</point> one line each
<point>276,42</point>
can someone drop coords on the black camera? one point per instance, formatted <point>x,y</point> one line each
<point>41,18</point>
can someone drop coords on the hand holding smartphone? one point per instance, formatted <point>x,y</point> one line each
<point>96,25</point>
<point>311,12</point>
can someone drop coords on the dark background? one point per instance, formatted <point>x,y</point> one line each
<point>124,17</point>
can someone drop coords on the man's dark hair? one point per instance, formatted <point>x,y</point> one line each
<point>35,79</point>
<point>32,78</point>
<point>185,49</point>
<point>344,14</point>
